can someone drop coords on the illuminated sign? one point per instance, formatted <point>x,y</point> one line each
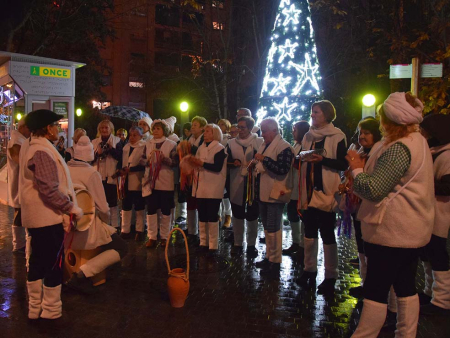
<point>50,72</point>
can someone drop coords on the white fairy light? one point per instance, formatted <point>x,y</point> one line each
<point>284,3</point>
<point>280,84</point>
<point>287,50</point>
<point>311,29</point>
<point>260,114</point>
<point>307,73</point>
<point>284,109</point>
<point>291,14</point>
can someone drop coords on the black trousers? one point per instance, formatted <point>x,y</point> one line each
<point>315,220</point>
<point>246,211</point>
<point>43,263</point>
<point>133,198</point>
<point>358,234</point>
<point>118,244</point>
<point>292,213</point>
<point>111,194</point>
<point>436,253</point>
<point>160,199</point>
<point>388,266</point>
<point>208,209</point>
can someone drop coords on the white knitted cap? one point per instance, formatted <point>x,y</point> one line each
<point>83,150</point>
<point>147,120</point>
<point>171,122</point>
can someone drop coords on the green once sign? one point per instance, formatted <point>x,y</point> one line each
<point>61,108</point>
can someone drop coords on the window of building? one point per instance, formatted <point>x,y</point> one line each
<point>167,16</point>
<point>217,25</point>
<point>168,59</point>
<point>136,84</point>
<point>218,3</point>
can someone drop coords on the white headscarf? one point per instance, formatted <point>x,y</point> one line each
<point>398,110</point>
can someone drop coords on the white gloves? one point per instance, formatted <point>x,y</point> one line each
<point>77,212</point>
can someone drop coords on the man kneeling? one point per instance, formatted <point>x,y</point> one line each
<point>99,235</point>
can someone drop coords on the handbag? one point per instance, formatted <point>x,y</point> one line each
<point>321,201</point>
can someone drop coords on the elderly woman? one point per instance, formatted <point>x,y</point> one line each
<point>241,151</point>
<point>68,155</point>
<point>210,175</point>
<point>108,156</point>
<point>133,170</point>
<point>100,234</point>
<point>145,124</point>
<point>159,190</point>
<point>45,192</point>
<point>272,164</point>
<point>396,213</point>
<point>122,134</point>
<point>435,259</point>
<point>320,179</point>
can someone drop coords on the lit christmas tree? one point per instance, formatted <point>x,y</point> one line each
<point>292,79</point>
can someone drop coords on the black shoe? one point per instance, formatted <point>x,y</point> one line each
<point>391,321</point>
<point>354,261</point>
<point>424,299</point>
<point>126,235</point>
<point>193,240</point>
<point>292,249</point>
<point>327,286</point>
<point>236,250</point>
<point>180,220</point>
<point>202,249</point>
<point>262,240</point>
<point>212,253</point>
<point>140,236</point>
<point>262,264</point>
<point>80,284</point>
<point>433,310</point>
<point>307,279</point>
<point>356,292</point>
<point>271,270</point>
<point>252,252</point>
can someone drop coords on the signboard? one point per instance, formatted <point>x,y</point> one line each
<point>431,70</point>
<point>61,108</point>
<point>400,71</point>
<point>50,72</point>
<point>37,79</point>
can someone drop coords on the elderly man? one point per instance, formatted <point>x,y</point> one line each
<point>247,112</point>
<point>15,143</point>
<point>272,163</point>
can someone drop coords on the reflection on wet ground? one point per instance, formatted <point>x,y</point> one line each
<point>227,298</point>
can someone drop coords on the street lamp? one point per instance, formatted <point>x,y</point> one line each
<point>368,108</point>
<point>79,112</point>
<point>184,106</point>
<point>18,116</point>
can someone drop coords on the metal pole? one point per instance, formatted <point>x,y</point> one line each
<point>415,76</point>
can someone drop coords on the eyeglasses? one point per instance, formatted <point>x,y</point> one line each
<point>120,134</point>
<point>241,128</point>
<point>56,124</point>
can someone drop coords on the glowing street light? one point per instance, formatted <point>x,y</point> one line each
<point>18,116</point>
<point>184,106</point>
<point>368,100</point>
<point>368,108</point>
<point>79,112</point>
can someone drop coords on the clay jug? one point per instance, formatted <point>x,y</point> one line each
<point>178,282</point>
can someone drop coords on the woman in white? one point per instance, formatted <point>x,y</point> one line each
<point>45,194</point>
<point>320,180</point>
<point>100,234</point>
<point>160,195</point>
<point>241,151</point>
<point>209,182</point>
<point>145,124</point>
<point>68,155</point>
<point>108,155</point>
<point>133,168</point>
<point>396,186</point>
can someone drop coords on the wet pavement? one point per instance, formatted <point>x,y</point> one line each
<point>228,298</point>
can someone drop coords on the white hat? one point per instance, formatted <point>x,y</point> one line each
<point>171,121</point>
<point>161,121</point>
<point>83,150</point>
<point>398,110</point>
<point>147,120</point>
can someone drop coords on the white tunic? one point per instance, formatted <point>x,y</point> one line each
<point>107,166</point>
<point>13,170</point>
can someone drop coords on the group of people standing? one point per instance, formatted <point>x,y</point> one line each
<point>395,189</point>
